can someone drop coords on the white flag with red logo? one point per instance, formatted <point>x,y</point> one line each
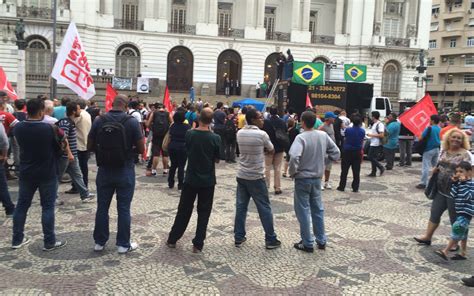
<point>6,86</point>
<point>72,68</point>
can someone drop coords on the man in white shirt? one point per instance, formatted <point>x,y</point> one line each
<point>48,112</point>
<point>376,134</point>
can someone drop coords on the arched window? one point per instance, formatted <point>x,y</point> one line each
<point>229,64</point>
<point>271,67</point>
<point>179,74</point>
<point>391,76</point>
<point>38,59</point>
<point>127,61</point>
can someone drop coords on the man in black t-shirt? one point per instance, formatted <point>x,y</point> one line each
<point>39,145</point>
<point>202,148</point>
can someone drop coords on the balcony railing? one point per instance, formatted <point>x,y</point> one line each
<point>229,32</point>
<point>279,36</point>
<point>34,12</point>
<point>398,42</point>
<point>37,77</point>
<point>128,24</point>
<point>182,29</point>
<point>324,39</point>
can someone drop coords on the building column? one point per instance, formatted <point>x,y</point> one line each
<point>405,20</point>
<point>300,18</point>
<point>151,23</point>
<point>204,26</point>
<point>109,7</point>
<point>340,38</point>
<point>305,15</point>
<point>377,35</point>
<point>367,22</point>
<point>255,14</point>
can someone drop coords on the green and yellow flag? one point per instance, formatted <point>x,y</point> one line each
<point>357,73</point>
<point>308,73</point>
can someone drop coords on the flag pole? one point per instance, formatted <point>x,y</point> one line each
<point>53,56</point>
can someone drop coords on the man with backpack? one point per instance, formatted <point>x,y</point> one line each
<point>114,138</point>
<point>69,161</point>
<point>275,127</point>
<point>230,136</point>
<point>159,122</point>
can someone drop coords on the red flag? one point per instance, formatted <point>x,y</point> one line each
<point>418,117</point>
<point>166,100</point>
<point>110,94</point>
<point>6,86</point>
<point>308,101</point>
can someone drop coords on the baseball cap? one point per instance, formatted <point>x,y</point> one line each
<point>330,115</point>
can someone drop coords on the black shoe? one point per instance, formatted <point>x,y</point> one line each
<point>238,243</point>
<point>388,169</point>
<point>468,281</point>
<point>278,192</point>
<point>171,245</point>
<point>273,245</point>
<point>371,175</point>
<point>301,247</point>
<point>180,187</point>
<point>321,246</point>
<point>57,245</point>
<point>72,191</point>
<point>170,186</point>
<point>423,242</point>
<point>9,212</point>
<point>340,189</point>
<point>382,171</point>
<point>420,186</point>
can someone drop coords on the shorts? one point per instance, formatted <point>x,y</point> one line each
<point>156,147</point>
<point>327,164</point>
<point>460,228</point>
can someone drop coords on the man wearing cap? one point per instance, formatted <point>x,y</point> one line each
<point>328,128</point>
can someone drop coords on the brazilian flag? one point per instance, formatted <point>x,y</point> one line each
<point>308,73</point>
<point>357,73</point>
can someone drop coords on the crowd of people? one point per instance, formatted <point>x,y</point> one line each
<point>48,139</point>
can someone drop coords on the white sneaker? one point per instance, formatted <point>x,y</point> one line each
<point>98,248</point>
<point>26,240</point>
<point>153,173</point>
<point>124,250</point>
<point>322,187</point>
<point>327,185</point>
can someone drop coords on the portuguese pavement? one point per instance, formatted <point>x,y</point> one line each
<point>370,249</point>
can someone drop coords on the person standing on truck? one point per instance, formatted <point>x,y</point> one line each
<point>375,134</point>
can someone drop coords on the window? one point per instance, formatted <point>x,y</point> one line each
<point>469,78</point>
<point>391,79</point>
<point>470,41</point>
<point>178,16</point>
<point>379,104</point>
<point>471,22</point>
<point>392,27</point>
<point>434,27</point>
<point>130,15</point>
<point>313,23</point>
<point>127,61</point>
<point>269,22</point>
<point>449,79</point>
<point>432,43</point>
<point>38,59</point>
<point>429,78</point>
<point>435,10</point>
<point>38,3</point>
<point>452,42</point>
<point>469,60</point>
<point>450,60</point>
<point>448,104</point>
<point>394,8</point>
<point>224,19</point>
<point>430,62</point>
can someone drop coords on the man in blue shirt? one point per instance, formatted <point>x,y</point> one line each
<point>116,179</point>
<point>431,152</point>
<point>60,111</point>
<point>393,129</point>
<point>39,153</point>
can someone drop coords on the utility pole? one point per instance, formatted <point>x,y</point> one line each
<point>52,93</point>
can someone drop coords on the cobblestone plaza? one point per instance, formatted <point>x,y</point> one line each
<point>370,248</point>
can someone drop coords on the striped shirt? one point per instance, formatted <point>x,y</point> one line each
<point>69,128</point>
<point>463,194</point>
<point>252,141</point>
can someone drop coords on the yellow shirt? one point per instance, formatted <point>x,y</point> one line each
<point>241,121</point>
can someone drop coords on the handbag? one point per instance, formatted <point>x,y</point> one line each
<point>432,187</point>
<point>166,140</point>
<point>420,146</point>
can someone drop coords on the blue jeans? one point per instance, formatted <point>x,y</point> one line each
<point>72,168</point>
<point>309,211</point>
<point>4,194</point>
<point>257,189</point>
<point>430,159</point>
<point>122,182</point>
<point>48,190</point>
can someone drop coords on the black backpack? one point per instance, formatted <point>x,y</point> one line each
<point>161,123</point>
<point>281,136</point>
<point>112,149</point>
<point>230,128</point>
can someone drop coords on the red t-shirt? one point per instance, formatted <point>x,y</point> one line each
<point>8,120</point>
